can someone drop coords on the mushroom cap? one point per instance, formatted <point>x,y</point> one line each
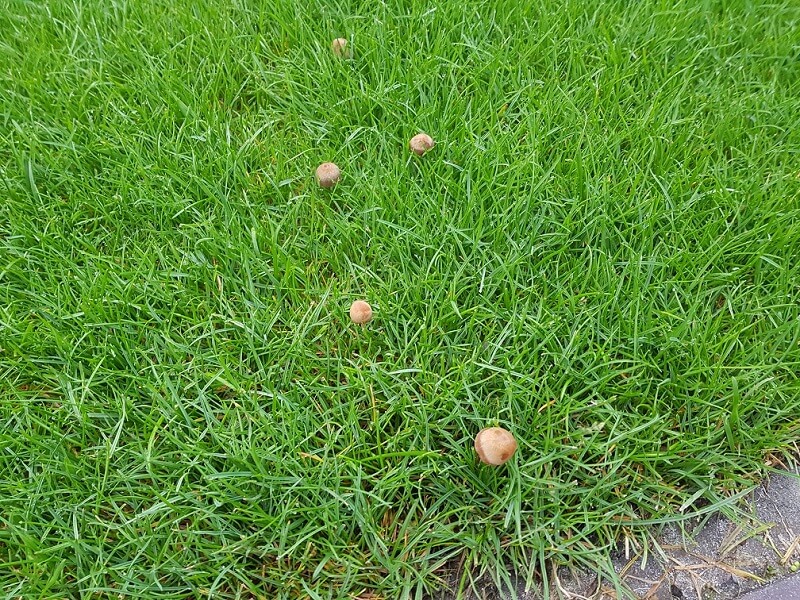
<point>421,143</point>
<point>339,47</point>
<point>360,312</point>
<point>328,174</point>
<point>495,445</point>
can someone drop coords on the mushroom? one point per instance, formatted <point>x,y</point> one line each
<point>328,175</point>
<point>495,445</point>
<point>360,312</point>
<point>340,49</point>
<point>421,143</point>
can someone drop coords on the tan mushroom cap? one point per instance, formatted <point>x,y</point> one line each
<point>495,445</point>
<point>421,143</point>
<point>360,312</point>
<point>340,49</point>
<point>328,174</point>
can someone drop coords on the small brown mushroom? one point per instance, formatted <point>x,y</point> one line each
<point>360,312</point>
<point>421,143</point>
<point>328,175</point>
<point>495,445</point>
<point>340,49</point>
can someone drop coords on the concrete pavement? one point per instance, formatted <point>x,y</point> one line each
<point>785,589</point>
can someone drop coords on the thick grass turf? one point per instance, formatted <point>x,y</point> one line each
<point>601,254</point>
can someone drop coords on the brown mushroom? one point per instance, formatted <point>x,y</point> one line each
<point>360,312</point>
<point>421,143</point>
<point>495,445</point>
<point>328,175</point>
<point>340,49</point>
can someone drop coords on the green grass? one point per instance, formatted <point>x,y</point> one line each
<point>601,254</point>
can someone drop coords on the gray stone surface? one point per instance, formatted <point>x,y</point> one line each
<point>785,589</point>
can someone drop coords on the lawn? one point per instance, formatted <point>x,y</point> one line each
<point>600,254</point>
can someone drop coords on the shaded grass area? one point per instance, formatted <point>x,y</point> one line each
<point>600,255</point>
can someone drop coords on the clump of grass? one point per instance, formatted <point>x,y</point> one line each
<point>603,262</point>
